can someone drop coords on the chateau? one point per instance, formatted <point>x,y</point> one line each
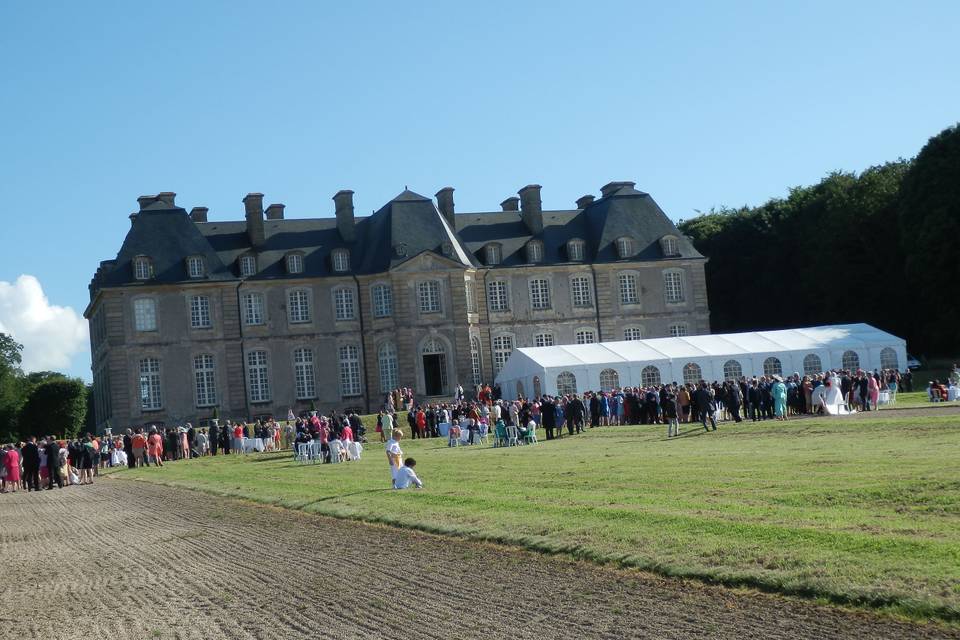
<point>263,315</point>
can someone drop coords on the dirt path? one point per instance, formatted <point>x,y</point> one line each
<point>128,560</point>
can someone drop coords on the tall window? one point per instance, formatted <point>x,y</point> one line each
<point>732,370</point>
<point>195,267</point>
<point>471,295</point>
<point>772,367</point>
<point>142,268</point>
<point>691,372</point>
<point>303,374</point>
<point>650,376</point>
<point>628,289</point>
<point>343,304</point>
<point>205,380</point>
<point>382,296</point>
<point>586,336</point>
<point>632,333</point>
<point>678,330</point>
<point>199,312</point>
<point>534,251</point>
<point>341,260</point>
<point>252,308</point>
<point>673,286</point>
<point>670,248</point>
<point>851,360</point>
<point>497,297</point>
<point>387,362</point>
<point>624,247</point>
<point>502,350</point>
<point>150,397</point>
<point>580,291</point>
<point>575,250</point>
<point>257,376</point>
<point>476,365</point>
<point>349,358</point>
<point>492,254</point>
<point>540,293</point>
<point>295,263</point>
<point>609,380</point>
<point>888,359</point>
<point>145,314</point>
<point>298,306</point>
<point>543,340</point>
<point>811,364</point>
<point>428,296</point>
<point>248,266</point>
<point>566,383</point>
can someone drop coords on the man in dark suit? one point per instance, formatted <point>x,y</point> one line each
<point>734,400</point>
<point>214,435</point>
<point>30,453</point>
<point>127,448</point>
<point>53,462</point>
<point>548,416</point>
<point>754,399</point>
<point>703,400</point>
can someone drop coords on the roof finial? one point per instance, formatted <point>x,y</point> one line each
<point>406,188</point>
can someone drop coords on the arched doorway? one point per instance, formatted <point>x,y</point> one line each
<point>434,359</point>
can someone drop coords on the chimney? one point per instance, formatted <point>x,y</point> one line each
<point>199,214</point>
<point>531,208</point>
<point>343,200</point>
<point>146,201</point>
<point>445,204</point>
<point>253,204</point>
<point>511,204</point>
<point>167,197</point>
<point>612,187</point>
<point>275,212</point>
<point>584,201</point>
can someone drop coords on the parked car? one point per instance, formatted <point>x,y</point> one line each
<point>912,363</point>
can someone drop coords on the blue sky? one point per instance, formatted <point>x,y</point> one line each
<point>702,104</point>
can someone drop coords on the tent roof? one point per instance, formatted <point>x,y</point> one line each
<point>717,345</point>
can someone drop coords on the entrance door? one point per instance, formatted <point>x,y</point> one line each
<point>433,373</point>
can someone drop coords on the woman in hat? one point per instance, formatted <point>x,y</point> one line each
<point>779,392</point>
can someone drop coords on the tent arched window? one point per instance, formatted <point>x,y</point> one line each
<point>772,367</point>
<point>851,361</point>
<point>812,364</point>
<point>888,359</point>
<point>609,380</point>
<point>650,376</point>
<point>732,370</point>
<point>692,372</point>
<point>537,390</point>
<point>520,393</point>
<point>566,383</point>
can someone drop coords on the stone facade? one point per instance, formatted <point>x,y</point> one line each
<point>422,301</point>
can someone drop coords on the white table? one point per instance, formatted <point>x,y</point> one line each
<point>953,393</point>
<point>249,444</point>
<point>884,398</point>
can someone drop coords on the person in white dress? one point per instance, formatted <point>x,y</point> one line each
<point>394,455</point>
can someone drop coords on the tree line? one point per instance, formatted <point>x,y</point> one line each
<point>878,247</point>
<point>39,403</point>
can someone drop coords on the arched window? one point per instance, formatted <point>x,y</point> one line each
<point>520,393</point>
<point>431,346</point>
<point>633,333</point>
<point>502,350</point>
<point>196,268</point>
<point>888,359</point>
<point>575,250</point>
<point>851,361</point>
<point>382,296</point>
<point>585,336</point>
<point>341,260</point>
<point>624,247</point>
<point>650,376</point>
<point>673,286</point>
<point>257,379</point>
<point>609,380</point>
<point>387,362</point>
<point>204,380</point>
<point>295,263</point>
<point>298,306</point>
<point>343,305</point>
<point>492,254</point>
<point>691,372</point>
<point>348,356</point>
<point>476,364</point>
<point>566,383</point>
<point>303,375</point>
<point>772,367</point>
<point>142,268</point>
<point>248,266</point>
<point>732,370</point>
<point>537,389</point>
<point>534,251</point>
<point>670,247</point>
<point>151,398</point>
<point>811,364</point>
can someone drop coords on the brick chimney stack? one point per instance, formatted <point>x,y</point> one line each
<point>343,201</point>
<point>253,205</point>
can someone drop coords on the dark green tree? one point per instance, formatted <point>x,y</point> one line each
<point>11,386</point>
<point>57,406</point>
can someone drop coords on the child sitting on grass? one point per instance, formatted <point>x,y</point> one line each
<point>407,476</point>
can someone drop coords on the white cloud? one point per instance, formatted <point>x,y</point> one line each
<point>51,335</point>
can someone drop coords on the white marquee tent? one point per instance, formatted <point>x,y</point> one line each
<point>605,365</point>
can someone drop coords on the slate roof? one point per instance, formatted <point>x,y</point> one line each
<point>407,226</point>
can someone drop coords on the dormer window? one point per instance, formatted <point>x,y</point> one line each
<point>492,254</point>
<point>248,266</point>
<point>295,263</point>
<point>341,260</point>
<point>534,251</point>
<point>575,250</point>
<point>195,267</point>
<point>670,247</point>
<point>142,268</point>
<point>624,247</point>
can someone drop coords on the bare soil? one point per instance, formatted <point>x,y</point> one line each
<point>121,559</point>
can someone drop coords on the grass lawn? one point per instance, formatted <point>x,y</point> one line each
<point>862,511</point>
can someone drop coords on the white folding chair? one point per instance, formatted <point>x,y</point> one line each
<point>335,449</point>
<point>513,435</point>
<point>354,449</point>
